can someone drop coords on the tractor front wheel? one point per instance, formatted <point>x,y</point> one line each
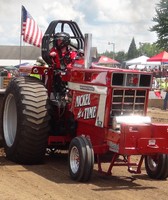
<point>81,159</point>
<point>157,166</point>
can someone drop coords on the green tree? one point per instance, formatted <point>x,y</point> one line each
<point>132,51</point>
<point>120,56</point>
<point>108,54</point>
<point>161,26</point>
<point>148,49</point>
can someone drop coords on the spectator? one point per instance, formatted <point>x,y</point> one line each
<point>166,96</point>
<point>149,69</point>
<point>145,68</point>
<point>154,83</point>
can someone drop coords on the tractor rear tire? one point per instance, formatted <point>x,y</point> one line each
<point>157,166</point>
<point>25,120</point>
<point>80,159</point>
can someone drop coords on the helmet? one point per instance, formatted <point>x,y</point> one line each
<point>61,40</point>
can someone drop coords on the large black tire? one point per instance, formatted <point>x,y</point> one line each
<point>157,166</point>
<point>1,101</point>
<point>25,120</point>
<point>80,159</point>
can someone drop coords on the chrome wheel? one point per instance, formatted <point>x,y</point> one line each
<point>74,159</point>
<point>80,159</point>
<point>10,120</point>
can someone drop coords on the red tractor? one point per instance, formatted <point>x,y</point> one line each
<point>98,114</point>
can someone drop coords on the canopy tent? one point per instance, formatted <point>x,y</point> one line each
<point>107,60</point>
<point>161,57</point>
<point>142,60</point>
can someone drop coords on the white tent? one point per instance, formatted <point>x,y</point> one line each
<point>142,60</point>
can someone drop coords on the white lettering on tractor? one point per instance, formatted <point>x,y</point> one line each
<point>80,114</point>
<point>82,100</point>
<point>90,113</point>
<point>87,112</point>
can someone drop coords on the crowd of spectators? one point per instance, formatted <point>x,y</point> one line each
<point>158,71</point>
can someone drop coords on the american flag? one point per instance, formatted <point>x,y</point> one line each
<point>30,30</point>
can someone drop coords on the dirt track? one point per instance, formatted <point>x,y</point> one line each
<point>51,181</point>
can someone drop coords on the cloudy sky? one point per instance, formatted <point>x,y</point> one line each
<point>114,21</point>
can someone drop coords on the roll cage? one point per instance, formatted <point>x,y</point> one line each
<point>71,27</point>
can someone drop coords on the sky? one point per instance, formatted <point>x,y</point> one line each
<point>112,23</point>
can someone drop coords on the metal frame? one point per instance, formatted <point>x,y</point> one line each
<point>47,38</point>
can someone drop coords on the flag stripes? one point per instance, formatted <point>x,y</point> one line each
<point>30,30</point>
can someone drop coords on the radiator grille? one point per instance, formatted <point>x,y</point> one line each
<point>126,102</point>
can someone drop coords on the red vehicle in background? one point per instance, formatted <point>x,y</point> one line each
<point>97,114</point>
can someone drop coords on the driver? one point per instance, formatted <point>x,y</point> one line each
<point>60,53</point>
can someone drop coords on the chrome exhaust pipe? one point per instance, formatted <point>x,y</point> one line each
<point>87,50</point>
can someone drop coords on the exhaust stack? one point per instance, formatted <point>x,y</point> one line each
<point>87,50</point>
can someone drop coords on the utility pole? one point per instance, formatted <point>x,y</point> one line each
<point>112,43</point>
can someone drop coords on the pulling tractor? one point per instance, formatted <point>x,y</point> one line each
<point>97,114</point>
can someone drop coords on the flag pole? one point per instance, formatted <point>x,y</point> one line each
<point>21,23</point>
